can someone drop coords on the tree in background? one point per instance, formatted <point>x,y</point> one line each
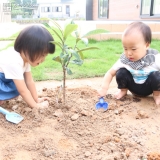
<point>28,10</point>
<point>22,7</point>
<point>15,10</point>
<point>24,1</point>
<point>29,1</point>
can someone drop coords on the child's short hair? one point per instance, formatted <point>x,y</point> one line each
<point>143,28</point>
<point>34,41</point>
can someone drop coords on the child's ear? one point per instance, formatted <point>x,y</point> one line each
<point>147,45</point>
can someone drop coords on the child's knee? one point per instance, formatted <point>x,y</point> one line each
<point>121,73</point>
<point>155,76</point>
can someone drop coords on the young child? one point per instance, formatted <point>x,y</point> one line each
<point>30,49</point>
<point>137,70</point>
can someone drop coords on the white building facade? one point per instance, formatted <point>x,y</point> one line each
<point>61,8</point>
<point>5,11</point>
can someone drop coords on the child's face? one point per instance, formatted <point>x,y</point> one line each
<point>37,61</point>
<point>134,45</point>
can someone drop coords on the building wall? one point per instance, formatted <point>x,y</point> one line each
<point>95,9</point>
<point>4,16</point>
<point>121,10</point>
<point>116,28</point>
<point>48,1</point>
<point>74,8</point>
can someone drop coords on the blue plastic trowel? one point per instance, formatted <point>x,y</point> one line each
<point>102,104</point>
<point>11,116</point>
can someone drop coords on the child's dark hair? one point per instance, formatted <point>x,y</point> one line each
<point>34,41</point>
<point>143,28</point>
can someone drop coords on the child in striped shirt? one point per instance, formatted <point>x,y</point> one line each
<point>137,70</point>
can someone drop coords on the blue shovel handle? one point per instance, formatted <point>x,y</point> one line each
<point>3,111</point>
<point>102,104</point>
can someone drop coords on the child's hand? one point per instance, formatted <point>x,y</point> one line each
<point>43,104</point>
<point>42,99</point>
<point>101,92</point>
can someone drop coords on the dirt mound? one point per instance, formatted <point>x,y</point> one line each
<point>129,129</point>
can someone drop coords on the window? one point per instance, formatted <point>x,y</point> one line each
<point>150,8</point>
<point>57,9</point>
<point>67,9</point>
<point>45,9</point>
<point>103,9</point>
<point>42,9</point>
<point>156,7</point>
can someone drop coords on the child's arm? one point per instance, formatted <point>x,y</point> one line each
<point>25,93</point>
<point>32,88</point>
<point>106,82</point>
<point>31,85</point>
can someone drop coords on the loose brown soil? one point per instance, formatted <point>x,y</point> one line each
<point>128,130</point>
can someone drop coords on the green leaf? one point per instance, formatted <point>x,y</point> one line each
<point>48,26</point>
<point>69,71</point>
<point>87,48</point>
<point>57,43</point>
<point>61,55</point>
<point>57,25</point>
<point>65,47</point>
<point>85,41</point>
<point>96,31</point>
<point>80,53</point>
<point>59,36</point>
<point>77,40</point>
<point>75,54</point>
<point>72,22</point>
<point>77,62</point>
<point>65,59</point>
<point>57,59</point>
<point>77,34</point>
<point>69,29</point>
<point>68,21</point>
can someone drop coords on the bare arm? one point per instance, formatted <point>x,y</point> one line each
<point>31,85</point>
<point>32,88</point>
<point>25,93</point>
<point>106,82</point>
<point>28,92</point>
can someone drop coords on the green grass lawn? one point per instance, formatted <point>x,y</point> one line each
<point>96,62</point>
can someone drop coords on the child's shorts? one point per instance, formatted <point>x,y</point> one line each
<point>8,89</point>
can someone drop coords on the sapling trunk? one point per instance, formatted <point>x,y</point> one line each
<point>64,79</point>
<point>64,86</point>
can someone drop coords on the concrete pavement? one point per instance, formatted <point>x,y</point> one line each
<point>7,30</point>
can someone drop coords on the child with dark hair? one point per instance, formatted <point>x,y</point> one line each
<point>137,70</point>
<point>30,49</point>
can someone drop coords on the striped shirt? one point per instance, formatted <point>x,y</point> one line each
<point>140,75</point>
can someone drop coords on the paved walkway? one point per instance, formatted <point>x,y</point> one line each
<point>7,30</point>
<point>4,44</point>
